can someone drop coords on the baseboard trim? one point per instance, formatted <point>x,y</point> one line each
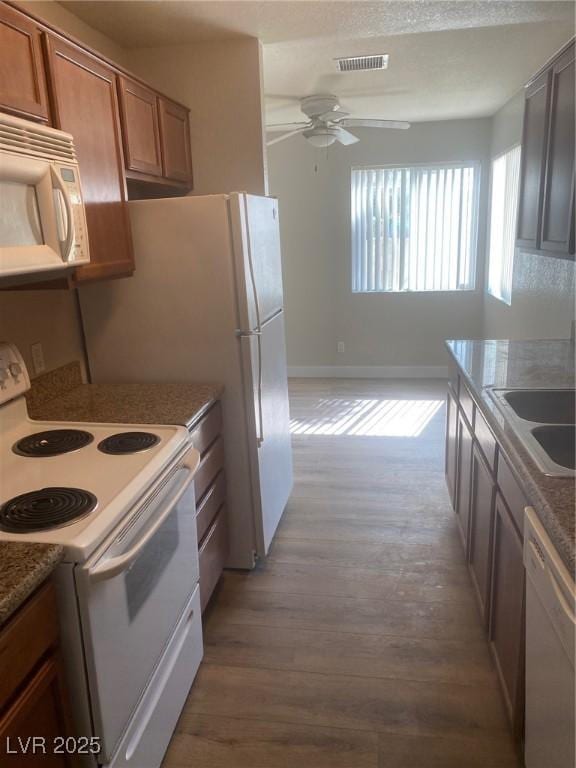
<point>368,371</point>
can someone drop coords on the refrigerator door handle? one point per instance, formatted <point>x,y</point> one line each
<point>251,266</point>
<point>258,336</point>
<point>260,414</point>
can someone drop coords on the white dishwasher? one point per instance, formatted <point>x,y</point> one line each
<point>550,631</point>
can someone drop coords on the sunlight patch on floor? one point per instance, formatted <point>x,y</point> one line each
<point>368,417</point>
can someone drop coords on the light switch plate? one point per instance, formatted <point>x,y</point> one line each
<point>38,358</point>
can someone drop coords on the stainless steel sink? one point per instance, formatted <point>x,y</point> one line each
<point>544,421</point>
<point>545,406</point>
<point>558,440</point>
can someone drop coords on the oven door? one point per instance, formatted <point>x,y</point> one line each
<point>132,597</point>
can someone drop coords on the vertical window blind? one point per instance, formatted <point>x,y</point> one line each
<point>504,203</point>
<point>414,228</point>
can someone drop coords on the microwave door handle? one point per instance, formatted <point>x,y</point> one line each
<point>65,205</point>
<point>116,565</point>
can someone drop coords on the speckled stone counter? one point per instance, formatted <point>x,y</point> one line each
<point>518,364</point>
<point>23,567</point>
<point>61,396</point>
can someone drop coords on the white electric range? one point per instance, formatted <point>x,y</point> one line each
<point>120,500</point>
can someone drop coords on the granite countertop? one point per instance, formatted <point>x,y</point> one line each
<point>529,364</point>
<point>23,567</point>
<point>61,396</point>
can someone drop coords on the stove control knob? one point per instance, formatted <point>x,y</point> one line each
<point>15,369</point>
<point>3,376</point>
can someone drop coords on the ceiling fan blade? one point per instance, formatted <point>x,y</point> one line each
<point>359,122</point>
<point>334,114</point>
<point>278,139</point>
<point>275,127</point>
<point>345,137</point>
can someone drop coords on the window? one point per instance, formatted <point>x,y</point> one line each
<point>505,182</point>
<point>414,229</point>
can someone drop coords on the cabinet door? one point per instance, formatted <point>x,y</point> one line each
<point>534,136</point>
<point>451,445</point>
<point>175,136</point>
<point>22,77</point>
<point>506,626</point>
<point>140,127</point>
<point>464,478</point>
<point>38,711</point>
<point>85,100</point>
<point>481,525</point>
<point>558,202</point>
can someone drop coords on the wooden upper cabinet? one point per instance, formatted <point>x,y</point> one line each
<point>156,135</point>
<point>175,137</point>
<point>534,136</point>
<point>140,127</point>
<point>558,197</point>
<point>22,76</point>
<point>85,103</point>
<point>546,199</point>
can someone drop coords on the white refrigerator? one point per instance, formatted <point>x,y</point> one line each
<point>205,304</point>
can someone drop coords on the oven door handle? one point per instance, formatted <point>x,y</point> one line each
<point>116,565</point>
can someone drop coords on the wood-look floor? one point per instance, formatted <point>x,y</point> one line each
<point>357,644</point>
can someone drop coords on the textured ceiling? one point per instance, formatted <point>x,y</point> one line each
<point>431,75</point>
<point>137,23</point>
<point>447,59</point>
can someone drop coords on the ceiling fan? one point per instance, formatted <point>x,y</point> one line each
<point>327,122</point>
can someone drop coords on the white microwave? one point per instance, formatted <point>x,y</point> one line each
<point>42,216</point>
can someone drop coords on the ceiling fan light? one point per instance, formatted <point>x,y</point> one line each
<point>321,137</point>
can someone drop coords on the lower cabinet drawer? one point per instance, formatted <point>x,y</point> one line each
<point>211,463</point>
<point>486,440</point>
<point>212,556</point>
<point>466,402</point>
<point>512,494</point>
<point>208,429</point>
<point>209,505</point>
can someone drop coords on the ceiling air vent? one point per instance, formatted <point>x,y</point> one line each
<point>362,63</point>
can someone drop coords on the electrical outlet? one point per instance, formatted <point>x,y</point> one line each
<point>38,358</point>
<point>341,347</point>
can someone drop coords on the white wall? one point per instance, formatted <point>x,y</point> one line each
<point>221,83</point>
<point>49,317</point>
<point>377,329</point>
<point>542,286</point>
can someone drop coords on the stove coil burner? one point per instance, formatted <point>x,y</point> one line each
<point>128,442</point>
<point>53,442</point>
<point>45,509</point>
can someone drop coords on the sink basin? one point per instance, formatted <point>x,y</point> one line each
<point>544,421</point>
<point>544,406</point>
<point>558,440</point>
